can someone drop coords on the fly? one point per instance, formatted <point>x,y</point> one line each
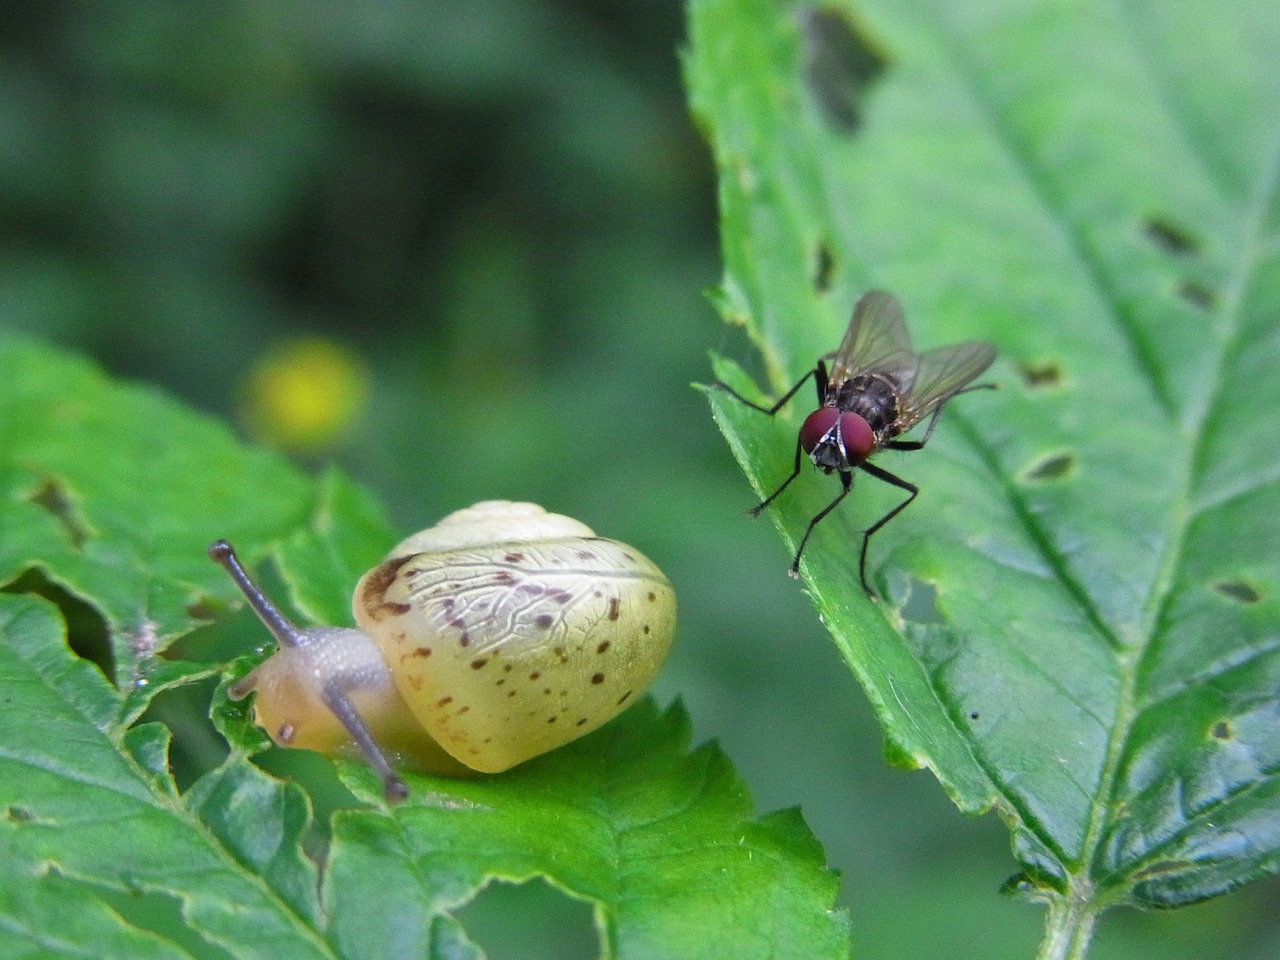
<point>877,389</point>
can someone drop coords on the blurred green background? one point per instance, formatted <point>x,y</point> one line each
<point>461,249</point>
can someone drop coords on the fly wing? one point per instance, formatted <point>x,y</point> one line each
<point>876,341</point>
<point>939,375</point>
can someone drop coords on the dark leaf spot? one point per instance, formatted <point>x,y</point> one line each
<point>535,675</point>
<point>444,701</point>
<point>840,67</point>
<point>597,678</point>
<point>52,496</point>
<point>974,715</point>
<point>1053,467</point>
<point>503,576</point>
<point>1039,376</point>
<point>581,722</point>
<point>1171,237</point>
<point>586,555</point>
<point>614,608</point>
<point>422,652</point>
<point>514,557</point>
<point>646,628</point>
<point>551,719</point>
<point>1197,294</point>
<point>1238,591</point>
<point>544,621</point>
<point>478,663</point>
<point>461,711</point>
<point>603,647</point>
<point>652,597</point>
<point>823,269</point>
<point>562,596</point>
<point>1221,731</point>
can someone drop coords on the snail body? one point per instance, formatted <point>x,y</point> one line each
<point>497,635</point>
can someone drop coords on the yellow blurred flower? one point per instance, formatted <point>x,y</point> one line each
<point>303,395</point>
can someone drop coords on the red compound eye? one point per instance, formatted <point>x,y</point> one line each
<point>856,437</point>
<point>816,426</point>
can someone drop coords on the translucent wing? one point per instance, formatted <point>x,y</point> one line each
<point>876,341</point>
<point>939,375</point>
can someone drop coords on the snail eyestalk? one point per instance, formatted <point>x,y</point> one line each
<point>324,651</point>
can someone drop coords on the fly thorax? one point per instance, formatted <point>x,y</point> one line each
<point>872,396</point>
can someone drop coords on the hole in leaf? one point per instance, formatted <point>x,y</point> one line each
<point>52,496</point>
<point>1040,376</point>
<point>841,66</point>
<point>530,921</point>
<point>87,633</point>
<point>1171,237</point>
<point>1197,294</point>
<point>1053,467</point>
<point>922,603</point>
<point>157,913</point>
<point>823,268</point>
<point>196,747</point>
<point>1238,591</point>
<point>1221,731</point>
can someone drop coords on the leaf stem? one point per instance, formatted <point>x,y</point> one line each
<point>1068,929</point>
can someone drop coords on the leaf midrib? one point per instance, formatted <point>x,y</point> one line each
<point>1129,658</point>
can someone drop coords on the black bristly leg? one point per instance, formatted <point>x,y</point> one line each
<point>897,481</point>
<point>820,370</point>
<point>846,481</point>
<point>795,472</point>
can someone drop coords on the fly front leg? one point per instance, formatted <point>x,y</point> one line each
<point>897,481</point>
<point>846,481</point>
<point>795,472</point>
<point>819,372</point>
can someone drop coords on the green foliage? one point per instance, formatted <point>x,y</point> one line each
<point>113,493</point>
<point>1082,606</point>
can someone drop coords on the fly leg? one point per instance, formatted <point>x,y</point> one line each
<point>887,477</point>
<point>795,472</point>
<point>820,371</point>
<point>846,481</point>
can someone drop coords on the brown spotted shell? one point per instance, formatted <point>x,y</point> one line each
<point>511,631</point>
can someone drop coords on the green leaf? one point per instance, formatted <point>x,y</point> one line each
<point>1082,616</point>
<point>113,491</point>
<point>659,840</point>
<point>97,842</point>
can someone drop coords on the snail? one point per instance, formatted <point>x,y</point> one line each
<point>499,634</point>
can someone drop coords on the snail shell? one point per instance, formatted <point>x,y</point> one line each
<point>500,633</point>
